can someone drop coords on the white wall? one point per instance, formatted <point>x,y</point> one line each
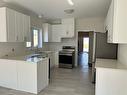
<point>122,53</point>
<point>6,48</point>
<point>94,24</point>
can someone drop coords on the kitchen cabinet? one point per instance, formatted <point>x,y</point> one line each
<point>33,77</point>
<point>10,21</point>
<point>111,77</point>
<point>53,56</point>
<point>29,76</point>
<point>26,75</point>
<point>47,32</point>
<point>116,22</point>
<point>8,74</point>
<point>7,25</point>
<point>19,26</point>
<point>13,26</point>
<point>26,27</point>
<point>56,33</point>
<point>68,27</point>
<point>56,59</point>
<point>42,74</point>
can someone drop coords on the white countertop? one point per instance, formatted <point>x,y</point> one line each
<point>109,64</point>
<point>25,58</point>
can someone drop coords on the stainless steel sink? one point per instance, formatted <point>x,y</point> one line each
<point>40,55</point>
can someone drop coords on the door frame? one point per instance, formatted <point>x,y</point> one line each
<point>90,64</point>
<point>84,34</point>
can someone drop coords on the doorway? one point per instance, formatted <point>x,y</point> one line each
<point>86,44</point>
<point>83,49</point>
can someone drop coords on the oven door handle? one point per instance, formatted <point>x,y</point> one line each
<point>66,54</point>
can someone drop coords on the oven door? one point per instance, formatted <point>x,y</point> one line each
<point>66,60</point>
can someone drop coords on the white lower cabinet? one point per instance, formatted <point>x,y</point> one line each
<point>8,74</point>
<point>111,81</point>
<point>24,76</point>
<point>42,75</point>
<point>33,77</point>
<point>27,77</point>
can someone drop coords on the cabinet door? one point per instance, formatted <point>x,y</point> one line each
<point>19,26</point>
<point>70,32</point>
<point>68,27</point>
<point>120,21</point>
<point>110,23</point>
<point>3,31</point>
<point>8,74</point>
<point>10,25</point>
<point>56,33</point>
<point>47,32</point>
<point>42,74</point>
<point>27,76</point>
<point>26,28</point>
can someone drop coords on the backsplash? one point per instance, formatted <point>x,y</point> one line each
<point>11,49</point>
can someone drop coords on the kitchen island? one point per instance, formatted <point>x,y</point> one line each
<point>111,77</point>
<point>24,73</point>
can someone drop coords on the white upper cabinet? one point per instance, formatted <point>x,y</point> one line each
<point>68,27</point>
<point>56,33</point>
<point>11,37</point>
<point>47,32</point>
<point>14,26</point>
<point>26,28</point>
<point>7,25</point>
<point>19,26</point>
<point>116,22</point>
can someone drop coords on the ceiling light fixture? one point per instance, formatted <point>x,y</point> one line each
<point>70,2</point>
<point>69,11</point>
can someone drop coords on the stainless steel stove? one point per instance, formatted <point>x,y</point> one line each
<point>67,57</point>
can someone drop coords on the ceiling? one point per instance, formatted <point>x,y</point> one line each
<point>54,9</point>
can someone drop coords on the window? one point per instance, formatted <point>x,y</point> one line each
<point>86,44</point>
<point>36,38</point>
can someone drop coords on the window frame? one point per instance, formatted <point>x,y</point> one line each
<point>32,43</point>
<point>40,36</point>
